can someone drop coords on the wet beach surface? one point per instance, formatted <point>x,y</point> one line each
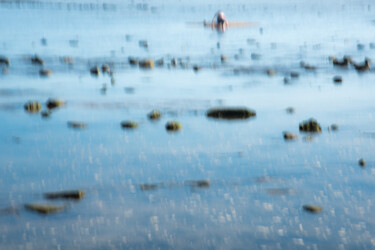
<point>202,182</point>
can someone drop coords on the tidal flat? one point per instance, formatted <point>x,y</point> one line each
<point>131,125</point>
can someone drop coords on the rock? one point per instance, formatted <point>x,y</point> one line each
<point>67,60</point>
<point>4,60</point>
<point>33,106</point>
<point>154,115</point>
<point>294,74</point>
<point>334,127</point>
<point>44,208</point>
<point>129,124</point>
<point>37,60</point>
<point>173,126</point>
<point>290,136</point>
<point>46,113</point>
<point>106,69</point>
<point>77,125</point>
<point>310,125</point>
<point>146,64</point>
<point>200,183</point>
<point>159,62</point>
<point>133,61</point>
<point>290,110</point>
<point>72,194</point>
<point>54,103</point>
<point>362,162</point>
<point>196,68</point>
<point>230,113</point>
<point>312,208</point>
<point>270,72</point>
<point>337,79</point>
<point>360,46</point>
<point>148,187</point>
<point>45,72</point>
<point>143,43</point>
<point>255,56</point>
<point>286,80</point>
<point>95,71</point>
<point>223,58</point>
<point>307,66</point>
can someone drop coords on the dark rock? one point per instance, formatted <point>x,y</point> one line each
<point>286,80</point>
<point>174,62</point>
<point>77,125</point>
<point>37,60</point>
<point>307,66</point>
<point>196,68</point>
<point>129,124</point>
<point>72,194</point>
<point>95,71</point>
<point>148,187</point>
<point>270,72</point>
<point>310,125</point>
<point>290,136</point>
<point>362,162</point>
<point>334,127</point>
<point>362,67</point>
<point>133,61</point>
<point>44,208</point>
<point>54,103</point>
<point>337,79</point>
<point>146,64</point>
<point>154,115</point>
<point>173,126</point>
<point>230,113</point>
<point>290,110</point>
<point>45,72</point>
<point>312,208</point>
<point>106,69</point>
<point>294,74</point>
<point>4,60</point>
<point>32,106</point>
<point>200,183</point>
<point>46,113</point>
<point>223,58</point>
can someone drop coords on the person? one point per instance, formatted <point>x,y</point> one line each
<point>221,21</point>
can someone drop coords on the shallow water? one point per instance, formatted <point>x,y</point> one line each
<point>258,181</point>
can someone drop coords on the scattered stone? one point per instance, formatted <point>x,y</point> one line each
<point>159,62</point>
<point>173,126</point>
<point>290,110</point>
<point>95,71</point>
<point>307,66</point>
<point>203,183</point>
<point>133,61</point>
<point>44,208</point>
<point>286,80</point>
<point>67,60</point>
<point>255,56</point>
<point>334,127</point>
<point>4,60</point>
<point>54,103</point>
<point>337,79</point>
<point>129,124</point>
<point>77,125</point>
<point>148,187</point>
<point>342,63</point>
<point>290,136</point>
<point>45,72</point>
<point>310,125</point>
<point>294,74</point>
<point>154,115</point>
<point>360,46</point>
<point>362,67</point>
<point>143,43</point>
<point>270,72</point>
<point>196,68</point>
<point>230,113</point>
<point>33,106</point>
<point>223,58</point>
<point>362,162</point>
<point>174,62</point>
<point>106,69</point>
<point>46,113</point>
<point>312,208</point>
<point>72,194</point>
<point>37,60</point>
<point>146,64</point>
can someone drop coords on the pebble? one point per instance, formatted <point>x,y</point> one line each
<point>148,187</point>
<point>129,124</point>
<point>290,136</point>
<point>337,79</point>
<point>95,71</point>
<point>77,125</point>
<point>133,61</point>
<point>146,64</point>
<point>312,208</point>
<point>362,162</point>
<point>173,126</point>
<point>37,60</point>
<point>54,103</point>
<point>290,110</point>
<point>4,60</point>
<point>33,106</point>
<point>45,72</point>
<point>72,194</point>
<point>154,115</point>
<point>44,208</point>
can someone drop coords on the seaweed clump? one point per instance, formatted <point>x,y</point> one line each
<point>310,125</point>
<point>230,113</point>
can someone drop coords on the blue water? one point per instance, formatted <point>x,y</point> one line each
<point>245,161</point>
